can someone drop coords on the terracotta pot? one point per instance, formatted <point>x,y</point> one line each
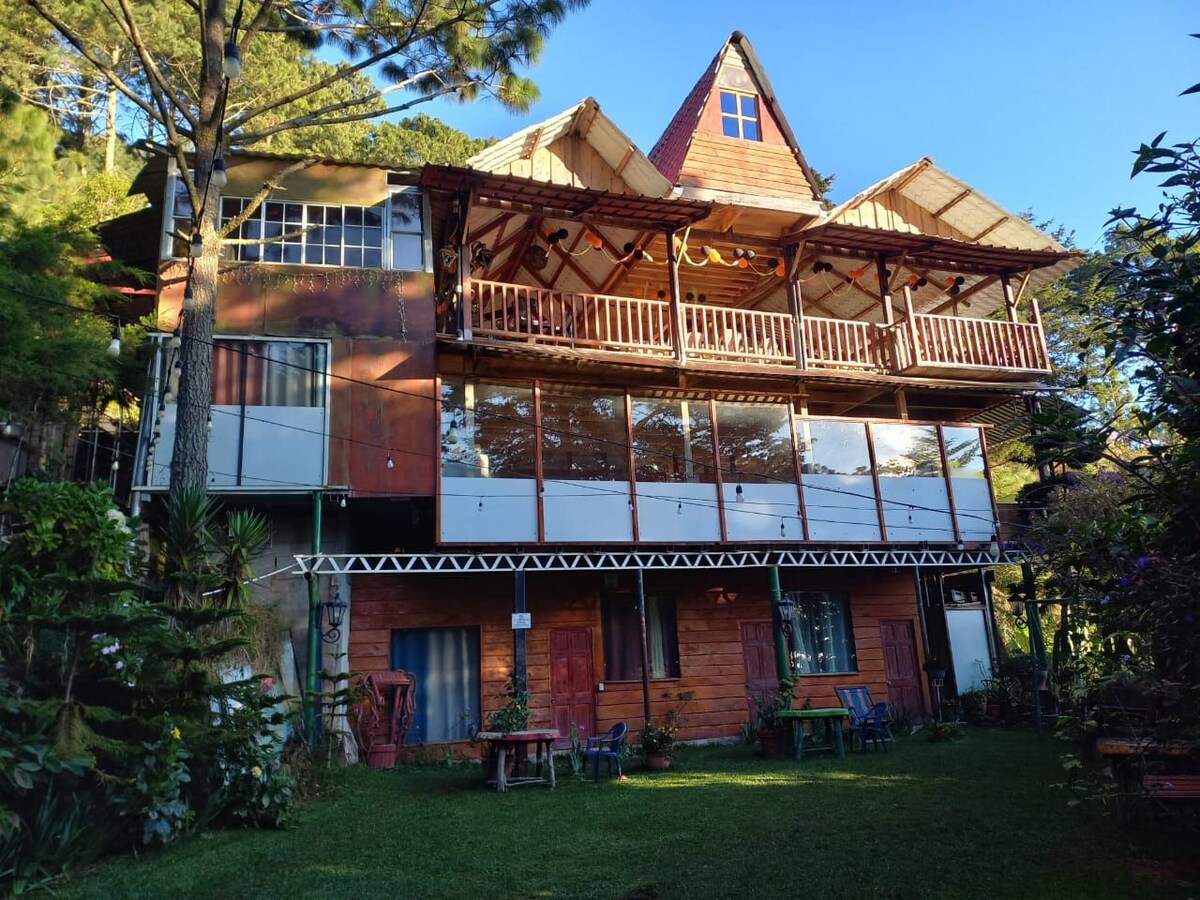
<point>658,760</point>
<point>382,756</point>
<point>773,742</point>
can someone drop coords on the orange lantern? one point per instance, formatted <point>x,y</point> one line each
<point>593,239</point>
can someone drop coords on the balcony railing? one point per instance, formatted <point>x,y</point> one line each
<point>917,344</point>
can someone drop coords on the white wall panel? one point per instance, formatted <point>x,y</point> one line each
<point>678,512</point>
<point>508,513</point>
<point>841,508</point>
<point>587,511</point>
<point>763,508</point>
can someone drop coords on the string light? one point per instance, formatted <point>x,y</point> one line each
<point>114,346</point>
<point>219,177</point>
<point>739,494</point>
<point>231,65</point>
<point>391,463</point>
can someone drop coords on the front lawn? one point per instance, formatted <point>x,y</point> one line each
<point>973,818</point>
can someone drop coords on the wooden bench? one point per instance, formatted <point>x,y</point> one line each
<point>1129,758</point>
<point>1172,787</point>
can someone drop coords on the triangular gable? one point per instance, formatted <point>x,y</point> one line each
<point>924,199</point>
<point>694,154</point>
<point>541,151</point>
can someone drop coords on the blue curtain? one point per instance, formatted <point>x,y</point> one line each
<point>824,639</point>
<point>445,662</point>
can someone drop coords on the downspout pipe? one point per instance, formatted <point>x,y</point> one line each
<point>313,661</point>
<point>783,665</point>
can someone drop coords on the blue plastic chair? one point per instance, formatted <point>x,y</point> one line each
<point>867,719</point>
<point>607,747</point>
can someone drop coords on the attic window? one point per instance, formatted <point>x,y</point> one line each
<point>739,116</point>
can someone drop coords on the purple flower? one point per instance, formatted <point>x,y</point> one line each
<point>1142,561</point>
<point>1125,580</point>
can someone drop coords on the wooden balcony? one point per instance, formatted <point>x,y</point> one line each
<point>918,345</point>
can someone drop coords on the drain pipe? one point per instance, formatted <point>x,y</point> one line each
<point>312,663</point>
<point>783,665</point>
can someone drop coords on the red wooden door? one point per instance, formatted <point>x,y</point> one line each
<point>900,665</point>
<point>571,683</point>
<point>758,653</point>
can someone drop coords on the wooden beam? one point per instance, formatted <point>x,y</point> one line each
<point>566,255</point>
<point>755,242</point>
<point>1024,284</point>
<point>488,227</point>
<point>621,271</point>
<point>625,158</point>
<point>952,202</point>
<point>534,140</point>
<point>963,296</point>
<point>763,288</point>
<point>979,237</point>
<point>518,257</point>
<point>569,261</point>
<point>501,246</point>
<point>587,126</point>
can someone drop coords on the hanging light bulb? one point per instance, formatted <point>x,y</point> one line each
<point>168,396</point>
<point>783,528</point>
<point>391,463</point>
<point>739,494</point>
<point>189,297</point>
<point>197,244</point>
<point>342,501</point>
<point>219,177</point>
<point>452,434</point>
<point>993,547</point>
<point>481,504</point>
<point>231,65</point>
<point>116,465</point>
<point>208,426</point>
<point>176,340</point>
<point>114,346</point>
<point>679,508</point>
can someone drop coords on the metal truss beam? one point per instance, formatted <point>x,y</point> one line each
<point>614,560</point>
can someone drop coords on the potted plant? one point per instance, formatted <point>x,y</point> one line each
<point>513,715</point>
<point>772,728</point>
<point>659,740</point>
<point>974,705</point>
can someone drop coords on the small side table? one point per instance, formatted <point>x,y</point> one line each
<point>832,718</point>
<point>501,744</point>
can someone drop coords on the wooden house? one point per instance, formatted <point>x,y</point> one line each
<point>592,391</point>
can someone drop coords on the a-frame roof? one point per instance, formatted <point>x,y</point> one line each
<point>671,150</point>
<point>588,122</point>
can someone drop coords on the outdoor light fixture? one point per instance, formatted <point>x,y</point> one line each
<point>197,244</point>
<point>189,297</point>
<point>335,615</point>
<point>786,607</point>
<point>739,494</point>
<point>114,346</point>
<point>993,547</point>
<point>231,65</point>
<point>391,463</point>
<point>219,177</point>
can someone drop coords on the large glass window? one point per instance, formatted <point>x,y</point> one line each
<point>916,506</point>
<point>823,636</point>
<point>314,234</point>
<point>268,373</point>
<point>672,441</point>
<point>407,230</point>
<point>487,431</point>
<point>756,443</point>
<point>584,437</point>
<point>968,479</point>
<point>623,637</point>
<point>839,490</point>
<point>445,666</point>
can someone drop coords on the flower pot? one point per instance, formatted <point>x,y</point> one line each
<point>773,742</point>
<point>382,756</point>
<point>658,759</point>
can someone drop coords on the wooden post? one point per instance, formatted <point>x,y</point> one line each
<point>795,303</point>
<point>885,289</point>
<point>1010,301</point>
<point>463,288</point>
<point>520,667</point>
<point>677,320</point>
<point>910,327</point>
<point>645,647</point>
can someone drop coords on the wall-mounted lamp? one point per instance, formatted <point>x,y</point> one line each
<point>335,616</point>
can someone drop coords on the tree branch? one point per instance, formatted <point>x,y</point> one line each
<point>153,75</point>
<point>271,184</point>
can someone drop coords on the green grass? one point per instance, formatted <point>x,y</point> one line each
<point>973,818</point>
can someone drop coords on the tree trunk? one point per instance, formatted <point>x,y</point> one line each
<point>189,462</point>
<point>110,120</point>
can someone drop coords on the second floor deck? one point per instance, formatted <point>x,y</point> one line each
<point>919,345</point>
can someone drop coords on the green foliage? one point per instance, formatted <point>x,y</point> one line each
<point>661,738</point>
<point>514,715</point>
<point>769,704</point>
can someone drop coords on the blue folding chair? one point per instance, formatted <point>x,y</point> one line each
<point>867,719</point>
<point>607,747</point>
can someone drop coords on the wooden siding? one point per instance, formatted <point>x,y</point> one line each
<point>568,161</point>
<point>710,645</point>
<point>719,163</point>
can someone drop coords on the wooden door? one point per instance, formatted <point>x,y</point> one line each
<point>900,665</point>
<point>758,653</point>
<point>571,683</point>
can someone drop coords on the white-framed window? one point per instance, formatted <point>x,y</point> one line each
<point>386,235</point>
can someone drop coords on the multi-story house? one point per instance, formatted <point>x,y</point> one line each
<point>572,394</point>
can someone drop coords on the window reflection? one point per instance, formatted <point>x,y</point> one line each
<point>964,452</point>
<point>487,431</point>
<point>584,437</point>
<point>672,441</point>
<point>756,442</point>
<point>907,450</point>
<point>834,448</point>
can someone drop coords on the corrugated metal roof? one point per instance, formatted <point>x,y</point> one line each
<point>588,121</point>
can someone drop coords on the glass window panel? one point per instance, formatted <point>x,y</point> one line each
<point>293,373</point>
<point>291,253</point>
<point>272,252</point>
<point>729,126</point>
<point>293,213</point>
<point>315,214</point>
<point>273,211</point>
<point>353,257</point>
<point>444,663</point>
<point>372,259</point>
<point>583,437</point>
<point>333,256</point>
<point>272,229</point>
<point>672,441</point>
<point>823,637</point>
<point>230,207</point>
<point>622,629</point>
<point>354,215</point>
<point>749,107</point>
<point>488,431</point>
<point>756,442</point>
<point>313,254</point>
<point>964,452</point>
<point>907,450</point>
<point>251,253</point>
<point>729,102</point>
<point>750,130</point>
<point>333,215</point>
<point>372,237</point>
<point>408,251</point>
<point>183,200</point>
<point>354,235</point>
<point>373,216</point>
<point>406,211</point>
<point>833,448</point>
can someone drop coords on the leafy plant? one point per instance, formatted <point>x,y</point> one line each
<point>661,738</point>
<point>514,715</point>
<point>769,704</point>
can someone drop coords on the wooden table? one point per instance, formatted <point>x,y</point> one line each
<point>832,717</point>
<point>501,744</point>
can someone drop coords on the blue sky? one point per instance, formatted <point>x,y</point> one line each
<point>1036,104</point>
